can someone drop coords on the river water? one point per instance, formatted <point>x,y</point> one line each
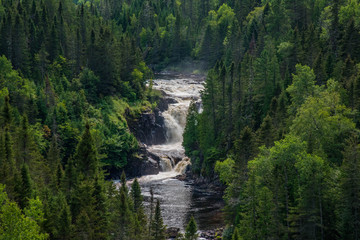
<point>180,199</point>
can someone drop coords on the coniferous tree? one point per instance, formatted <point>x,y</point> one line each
<point>350,191</point>
<point>26,189</point>
<point>53,155</point>
<point>236,235</point>
<point>157,226</point>
<point>86,155</point>
<point>6,117</point>
<point>125,218</point>
<point>65,223</point>
<point>136,195</point>
<point>191,229</point>
<point>101,230</point>
<point>140,217</point>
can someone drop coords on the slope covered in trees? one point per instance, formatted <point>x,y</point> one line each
<point>280,122</point>
<point>68,80</point>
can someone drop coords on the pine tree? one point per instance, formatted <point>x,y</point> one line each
<point>125,218</point>
<point>191,229</point>
<point>7,163</point>
<point>82,205</point>
<point>86,155</point>
<point>6,117</point>
<point>65,223</point>
<point>54,41</point>
<point>157,227</point>
<point>101,211</point>
<point>236,235</point>
<point>53,155</point>
<point>265,133</point>
<point>123,183</point>
<point>350,191</point>
<point>26,189</point>
<point>140,217</point>
<point>20,56</point>
<point>136,195</point>
<point>71,177</point>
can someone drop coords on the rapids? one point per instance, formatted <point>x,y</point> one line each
<point>179,199</point>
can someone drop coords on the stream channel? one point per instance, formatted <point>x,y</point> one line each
<point>180,200</point>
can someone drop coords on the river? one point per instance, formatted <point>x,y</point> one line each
<point>180,199</point>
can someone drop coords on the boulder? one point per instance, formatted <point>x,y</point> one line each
<point>172,232</point>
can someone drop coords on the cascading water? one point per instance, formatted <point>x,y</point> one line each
<point>179,199</point>
<point>182,91</point>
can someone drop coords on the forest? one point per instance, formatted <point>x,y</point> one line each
<point>279,125</point>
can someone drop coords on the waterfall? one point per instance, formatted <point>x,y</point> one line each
<point>179,199</point>
<point>172,154</point>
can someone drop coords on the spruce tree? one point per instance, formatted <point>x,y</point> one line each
<point>7,163</point>
<point>65,223</point>
<point>53,155</point>
<point>350,191</point>
<point>123,182</point>
<point>26,189</point>
<point>140,217</point>
<point>125,218</point>
<point>191,230</point>
<point>86,156</point>
<point>101,211</point>
<point>157,227</point>
<point>136,195</point>
<point>236,235</point>
<point>6,117</point>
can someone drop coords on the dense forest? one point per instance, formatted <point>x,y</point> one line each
<point>279,122</point>
<point>280,119</point>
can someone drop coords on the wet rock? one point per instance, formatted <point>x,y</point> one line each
<point>163,104</point>
<point>172,232</point>
<point>212,234</point>
<point>145,164</point>
<point>148,128</point>
<point>181,177</point>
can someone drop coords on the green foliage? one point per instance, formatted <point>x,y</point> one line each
<point>157,226</point>
<point>224,169</point>
<point>15,224</point>
<point>85,157</point>
<point>302,87</point>
<point>191,229</point>
<point>136,195</point>
<point>236,235</point>
<point>324,122</point>
<point>67,63</point>
<point>26,189</point>
<point>350,190</point>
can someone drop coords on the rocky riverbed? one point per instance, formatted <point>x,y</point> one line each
<point>163,165</point>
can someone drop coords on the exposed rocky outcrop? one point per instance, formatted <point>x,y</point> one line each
<point>172,232</point>
<point>148,128</point>
<point>164,102</point>
<point>145,164</point>
<point>215,234</point>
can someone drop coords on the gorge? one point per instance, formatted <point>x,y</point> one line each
<point>179,199</point>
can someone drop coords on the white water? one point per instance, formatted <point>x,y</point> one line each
<point>183,90</point>
<point>179,199</point>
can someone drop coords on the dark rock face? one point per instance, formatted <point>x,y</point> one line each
<point>145,164</point>
<point>149,127</point>
<point>163,104</point>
